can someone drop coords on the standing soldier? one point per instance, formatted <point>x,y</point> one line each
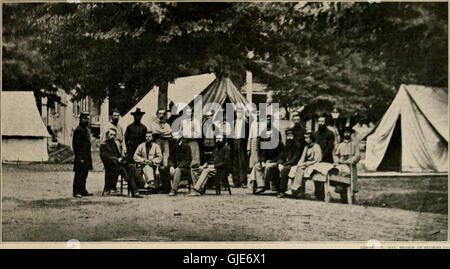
<point>299,130</point>
<point>162,133</point>
<point>239,148</point>
<point>114,124</point>
<point>325,138</point>
<point>337,125</point>
<point>81,145</point>
<point>135,134</point>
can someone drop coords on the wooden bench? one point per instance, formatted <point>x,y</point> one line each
<point>347,182</point>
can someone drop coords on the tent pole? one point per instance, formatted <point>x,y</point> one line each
<point>249,82</point>
<point>162,94</point>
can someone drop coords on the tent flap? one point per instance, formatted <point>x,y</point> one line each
<point>424,130</point>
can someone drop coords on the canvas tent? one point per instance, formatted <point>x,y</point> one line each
<point>24,135</point>
<point>221,91</point>
<point>412,136</point>
<point>182,90</point>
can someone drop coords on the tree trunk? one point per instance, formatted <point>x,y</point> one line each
<point>162,95</point>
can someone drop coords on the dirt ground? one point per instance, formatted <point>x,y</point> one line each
<point>37,206</point>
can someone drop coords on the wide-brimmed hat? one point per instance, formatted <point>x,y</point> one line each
<point>138,112</point>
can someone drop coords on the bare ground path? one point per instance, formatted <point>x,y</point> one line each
<point>37,206</point>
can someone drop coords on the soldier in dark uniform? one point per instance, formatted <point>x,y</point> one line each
<point>114,165</point>
<point>181,162</point>
<point>325,138</point>
<point>135,134</point>
<point>299,131</point>
<point>81,144</point>
<point>288,158</point>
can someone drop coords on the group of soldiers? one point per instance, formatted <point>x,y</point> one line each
<point>157,159</point>
<point>286,168</point>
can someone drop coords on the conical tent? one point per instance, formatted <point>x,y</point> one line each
<point>24,136</point>
<point>221,90</point>
<point>182,90</point>
<point>413,132</point>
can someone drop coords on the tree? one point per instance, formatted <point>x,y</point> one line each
<point>356,54</point>
<point>351,54</point>
<point>24,67</point>
<point>122,50</point>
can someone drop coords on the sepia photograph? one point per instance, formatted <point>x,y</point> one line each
<point>224,122</point>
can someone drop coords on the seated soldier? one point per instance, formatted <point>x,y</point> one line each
<point>147,156</point>
<point>266,170</point>
<point>216,165</point>
<point>311,155</point>
<point>181,162</point>
<point>345,154</point>
<point>289,157</point>
<point>114,165</point>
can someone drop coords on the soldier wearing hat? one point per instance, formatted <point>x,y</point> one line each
<point>81,144</point>
<point>346,155</point>
<point>289,157</point>
<point>135,133</point>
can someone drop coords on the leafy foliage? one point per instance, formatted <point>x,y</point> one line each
<point>352,55</point>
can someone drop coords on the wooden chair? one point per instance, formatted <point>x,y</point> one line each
<point>122,184</point>
<point>185,183</point>
<point>156,175</point>
<point>218,180</point>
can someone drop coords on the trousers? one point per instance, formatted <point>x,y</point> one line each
<point>79,181</point>
<point>240,164</point>
<point>148,173</point>
<point>129,172</point>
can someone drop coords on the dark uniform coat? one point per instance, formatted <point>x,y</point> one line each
<point>180,155</point>
<point>81,144</point>
<point>325,139</point>
<point>134,136</point>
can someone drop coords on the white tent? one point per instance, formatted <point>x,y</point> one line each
<point>182,90</point>
<point>24,135</point>
<point>413,132</point>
